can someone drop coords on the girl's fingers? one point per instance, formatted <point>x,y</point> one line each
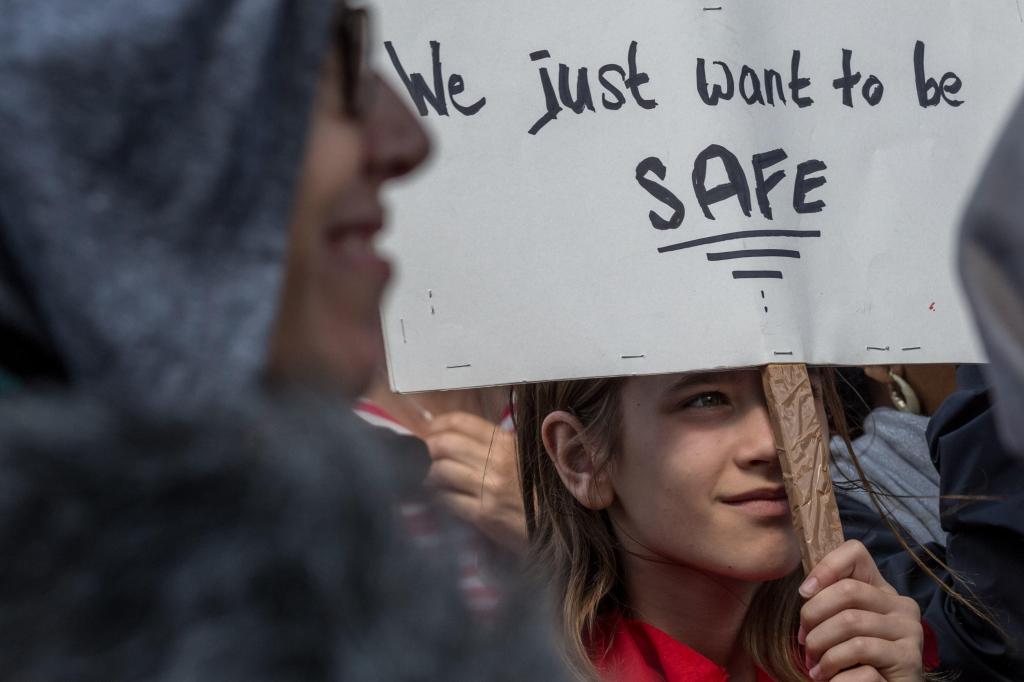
<point>896,661</point>
<point>850,560</point>
<point>845,594</point>
<point>864,673</point>
<point>857,623</point>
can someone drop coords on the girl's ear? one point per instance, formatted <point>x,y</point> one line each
<point>574,461</point>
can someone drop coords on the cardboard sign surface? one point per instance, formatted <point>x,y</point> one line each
<point>668,186</point>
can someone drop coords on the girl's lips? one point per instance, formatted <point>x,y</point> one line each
<point>763,507</point>
<point>766,493</point>
<point>761,501</point>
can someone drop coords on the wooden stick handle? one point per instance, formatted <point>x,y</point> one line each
<point>801,438</point>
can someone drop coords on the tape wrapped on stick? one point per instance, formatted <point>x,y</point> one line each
<point>801,440</point>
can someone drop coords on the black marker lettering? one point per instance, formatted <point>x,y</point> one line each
<point>550,98</point>
<point>653,164</point>
<point>747,76</point>
<point>717,92</point>
<point>735,187</point>
<point>457,86</point>
<point>796,83</point>
<point>873,90</point>
<point>930,93</point>
<point>620,99</point>
<point>636,79</point>
<point>418,89</point>
<point>848,80</point>
<point>773,86</point>
<point>805,184</point>
<point>764,185</point>
<point>583,100</point>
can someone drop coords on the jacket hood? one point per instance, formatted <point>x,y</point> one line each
<point>148,157</point>
<point>992,268</point>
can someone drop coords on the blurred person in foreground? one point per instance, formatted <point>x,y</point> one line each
<point>251,543</point>
<point>190,196</point>
<point>991,260</point>
<point>188,199</point>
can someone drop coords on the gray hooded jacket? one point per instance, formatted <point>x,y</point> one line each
<point>148,157</point>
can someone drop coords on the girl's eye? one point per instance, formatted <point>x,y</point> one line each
<point>706,400</point>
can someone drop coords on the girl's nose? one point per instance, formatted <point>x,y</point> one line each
<point>758,442</point>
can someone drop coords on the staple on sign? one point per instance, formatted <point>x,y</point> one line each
<point>458,366</point>
<point>783,352</point>
<point>911,348</point>
<point>404,340</point>
<point>633,357</point>
<point>884,350</point>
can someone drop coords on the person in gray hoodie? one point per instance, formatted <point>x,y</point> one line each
<point>189,191</point>
<point>162,165</point>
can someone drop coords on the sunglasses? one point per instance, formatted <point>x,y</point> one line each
<point>352,41</point>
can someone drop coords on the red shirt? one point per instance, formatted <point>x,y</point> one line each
<point>642,653</point>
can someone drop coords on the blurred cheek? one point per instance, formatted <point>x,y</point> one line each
<point>324,312</point>
<point>346,339</point>
<point>334,156</point>
<point>328,328</point>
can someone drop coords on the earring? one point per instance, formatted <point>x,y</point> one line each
<point>903,396</point>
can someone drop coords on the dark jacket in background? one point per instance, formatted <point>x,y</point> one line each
<point>984,539</point>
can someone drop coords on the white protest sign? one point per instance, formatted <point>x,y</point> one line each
<point>666,186</point>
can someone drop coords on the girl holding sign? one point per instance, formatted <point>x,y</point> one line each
<point>656,506</point>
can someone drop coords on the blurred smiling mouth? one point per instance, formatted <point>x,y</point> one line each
<point>764,502</point>
<point>352,247</point>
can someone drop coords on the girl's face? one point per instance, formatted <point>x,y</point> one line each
<point>697,480</point>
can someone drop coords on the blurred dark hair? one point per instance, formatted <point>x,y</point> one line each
<point>852,386</point>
